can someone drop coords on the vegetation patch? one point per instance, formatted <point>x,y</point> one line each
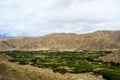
<point>68,62</point>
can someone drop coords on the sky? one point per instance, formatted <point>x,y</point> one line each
<point>41,17</point>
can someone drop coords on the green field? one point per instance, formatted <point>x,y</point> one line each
<point>68,62</point>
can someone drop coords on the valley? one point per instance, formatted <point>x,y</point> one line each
<point>68,62</point>
<point>65,56</point>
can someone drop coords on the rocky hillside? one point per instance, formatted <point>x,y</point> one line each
<point>4,57</point>
<point>100,40</point>
<point>113,57</point>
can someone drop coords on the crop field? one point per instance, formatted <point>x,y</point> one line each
<point>68,62</point>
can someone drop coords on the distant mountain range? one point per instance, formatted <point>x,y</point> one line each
<point>100,40</point>
<point>5,36</point>
<point>2,36</point>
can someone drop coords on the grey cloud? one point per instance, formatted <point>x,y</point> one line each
<point>39,17</point>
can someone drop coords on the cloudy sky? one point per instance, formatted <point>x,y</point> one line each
<point>40,17</point>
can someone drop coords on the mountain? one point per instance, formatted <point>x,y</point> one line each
<point>2,36</point>
<point>5,36</point>
<point>99,40</point>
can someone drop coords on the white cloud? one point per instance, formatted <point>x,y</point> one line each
<point>39,17</point>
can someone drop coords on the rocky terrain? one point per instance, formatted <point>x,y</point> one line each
<point>113,57</point>
<point>100,40</point>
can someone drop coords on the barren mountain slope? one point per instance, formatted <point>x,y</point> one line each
<point>113,57</point>
<point>100,40</point>
<point>4,57</point>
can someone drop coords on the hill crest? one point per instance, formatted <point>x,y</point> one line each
<point>99,40</point>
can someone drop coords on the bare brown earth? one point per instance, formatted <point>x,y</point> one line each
<point>100,40</point>
<point>113,57</point>
<point>13,71</point>
<point>4,57</point>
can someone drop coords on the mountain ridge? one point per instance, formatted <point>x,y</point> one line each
<point>99,40</point>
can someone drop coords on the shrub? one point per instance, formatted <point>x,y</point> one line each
<point>13,60</point>
<point>60,70</point>
<point>110,75</point>
<point>23,62</point>
<point>83,67</point>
